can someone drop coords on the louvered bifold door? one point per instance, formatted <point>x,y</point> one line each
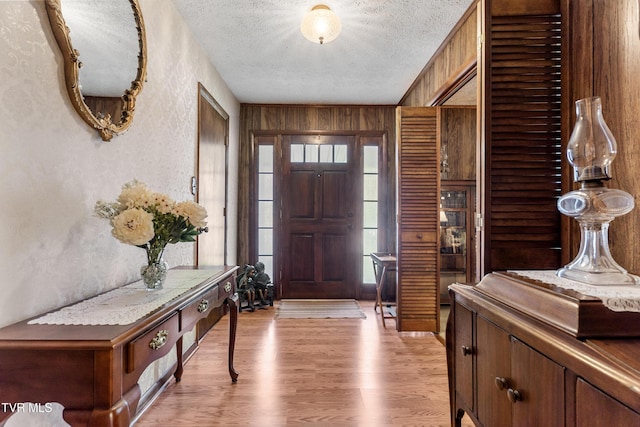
<point>523,147</point>
<point>418,192</point>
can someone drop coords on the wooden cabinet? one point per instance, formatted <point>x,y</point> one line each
<point>93,369</point>
<point>457,252</point>
<point>511,395</point>
<point>508,368</point>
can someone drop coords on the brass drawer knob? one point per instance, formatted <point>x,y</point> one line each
<point>203,306</point>
<point>159,340</point>
<point>514,395</point>
<point>501,383</point>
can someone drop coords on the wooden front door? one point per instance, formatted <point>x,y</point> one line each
<point>320,219</point>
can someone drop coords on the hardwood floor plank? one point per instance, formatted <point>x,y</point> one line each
<point>309,372</point>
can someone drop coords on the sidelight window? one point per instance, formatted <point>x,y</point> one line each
<point>265,207</point>
<point>370,210</point>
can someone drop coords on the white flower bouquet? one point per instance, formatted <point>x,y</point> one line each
<point>150,221</point>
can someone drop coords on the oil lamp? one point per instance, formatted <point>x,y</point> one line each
<point>590,152</point>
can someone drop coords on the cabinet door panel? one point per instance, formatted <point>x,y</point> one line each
<point>493,361</point>
<point>596,409</point>
<point>540,384</point>
<point>464,355</point>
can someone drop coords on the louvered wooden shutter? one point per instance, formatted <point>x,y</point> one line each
<point>418,204</point>
<point>522,223</point>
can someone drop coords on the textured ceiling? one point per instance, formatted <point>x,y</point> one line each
<point>258,49</point>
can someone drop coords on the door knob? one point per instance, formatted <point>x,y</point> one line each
<point>466,350</point>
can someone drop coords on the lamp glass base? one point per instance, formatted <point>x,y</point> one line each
<point>599,278</point>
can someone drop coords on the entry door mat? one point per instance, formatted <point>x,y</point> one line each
<point>319,309</point>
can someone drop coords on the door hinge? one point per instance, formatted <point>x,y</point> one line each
<point>194,185</point>
<point>480,40</point>
<point>479,221</point>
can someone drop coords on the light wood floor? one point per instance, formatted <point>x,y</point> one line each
<point>330,372</point>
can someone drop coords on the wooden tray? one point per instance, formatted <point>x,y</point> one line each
<point>578,315</point>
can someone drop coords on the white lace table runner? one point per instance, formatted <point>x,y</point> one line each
<point>127,304</point>
<point>615,298</point>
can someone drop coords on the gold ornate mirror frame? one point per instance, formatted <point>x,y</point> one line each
<point>105,124</point>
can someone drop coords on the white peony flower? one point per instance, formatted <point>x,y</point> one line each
<point>163,203</point>
<point>135,194</point>
<point>133,227</point>
<point>195,214</point>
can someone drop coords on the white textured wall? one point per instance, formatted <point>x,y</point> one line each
<point>53,167</point>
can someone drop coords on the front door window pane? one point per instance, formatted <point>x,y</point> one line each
<point>311,153</point>
<point>371,187</point>
<point>265,158</point>
<point>265,214</point>
<point>326,153</point>
<point>340,155</point>
<point>370,215</point>
<point>370,154</point>
<point>370,240</point>
<point>297,153</point>
<point>265,186</point>
<point>265,244</point>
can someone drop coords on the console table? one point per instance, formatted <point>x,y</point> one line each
<point>93,369</point>
<point>523,352</point>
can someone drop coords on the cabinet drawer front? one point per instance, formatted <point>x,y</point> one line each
<point>200,308</point>
<point>153,344</point>
<point>426,236</point>
<point>227,287</point>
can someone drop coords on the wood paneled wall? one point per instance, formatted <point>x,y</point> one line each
<point>458,138</point>
<point>604,59</point>
<point>454,59</point>
<point>275,119</point>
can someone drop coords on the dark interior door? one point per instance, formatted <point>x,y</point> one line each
<point>212,178</point>
<point>320,217</point>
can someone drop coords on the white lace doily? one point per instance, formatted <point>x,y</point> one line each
<point>127,304</point>
<point>615,298</point>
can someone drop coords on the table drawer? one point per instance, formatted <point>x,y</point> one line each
<point>153,344</point>
<point>199,308</point>
<point>227,287</point>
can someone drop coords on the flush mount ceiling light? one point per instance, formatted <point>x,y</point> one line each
<point>320,25</point>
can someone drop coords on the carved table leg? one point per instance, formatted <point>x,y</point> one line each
<point>232,303</point>
<point>180,368</point>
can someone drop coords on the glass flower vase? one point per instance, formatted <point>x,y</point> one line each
<point>154,274</point>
